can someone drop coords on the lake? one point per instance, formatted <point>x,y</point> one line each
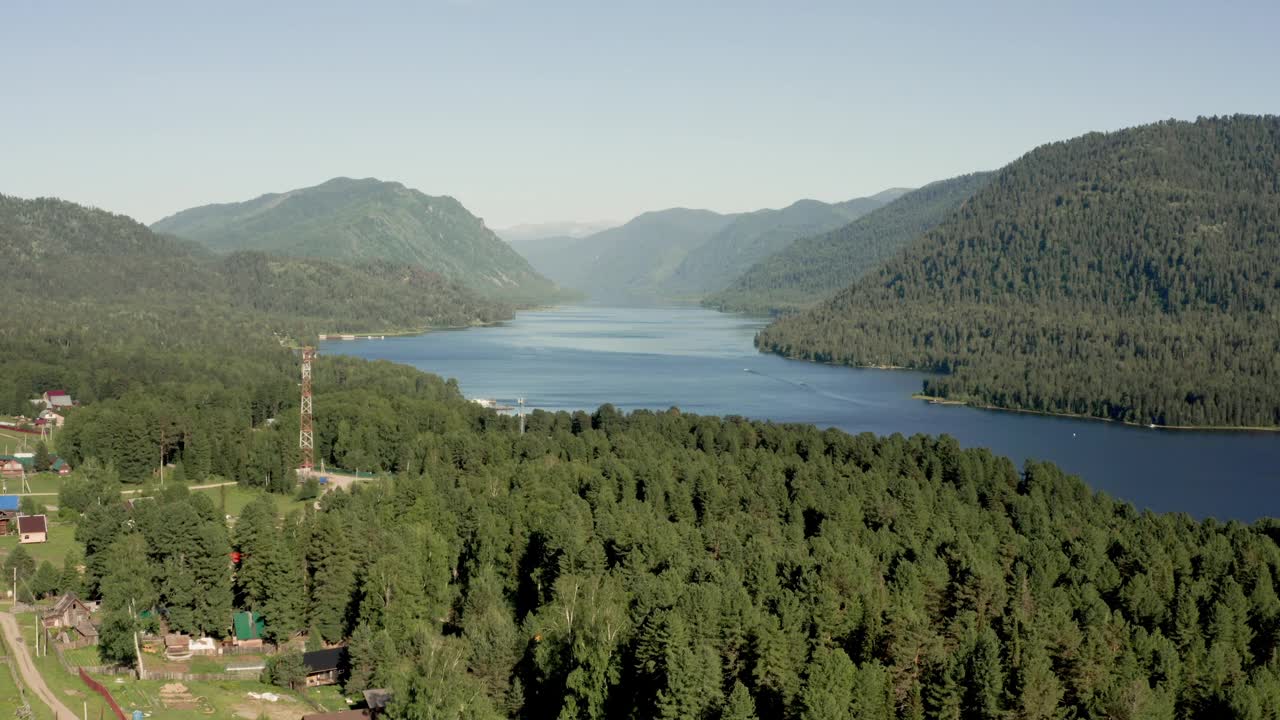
<point>703,361</point>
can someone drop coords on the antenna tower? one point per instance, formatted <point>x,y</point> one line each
<point>306,437</point>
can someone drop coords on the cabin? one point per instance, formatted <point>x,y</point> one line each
<point>50,418</point>
<point>69,612</point>
<point>8,513</point>
<point>32,529</point>
<point>323,665</point>
<point>60,466</point>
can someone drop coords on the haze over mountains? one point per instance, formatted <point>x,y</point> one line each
<point>684,253</point>
<point>354,220</point>
<point>527,232</point>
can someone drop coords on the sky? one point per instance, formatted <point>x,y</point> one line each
<point>550,111</point>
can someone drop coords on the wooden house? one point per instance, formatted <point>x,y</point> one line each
<point>69,612</point>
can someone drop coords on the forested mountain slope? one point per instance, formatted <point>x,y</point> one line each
<point>1129,275</point>
<point>752,237</point>
<point>362,220</point>
<point>56,253</point>
<point>814,267</point>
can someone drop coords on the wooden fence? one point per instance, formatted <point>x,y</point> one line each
<point>97,687</point>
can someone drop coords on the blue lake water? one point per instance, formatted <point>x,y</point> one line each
<point>704,362</point>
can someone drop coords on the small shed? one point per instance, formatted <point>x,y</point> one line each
<point>88,634</point>
<point>32,529</point>
<point>248,629</point>
<point>323,665</point>
<point>376,700</point>
<point>69,611</point>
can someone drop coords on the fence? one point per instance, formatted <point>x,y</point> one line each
<point>95,669</point>
<point>97,687</point>
<point>205,677</point>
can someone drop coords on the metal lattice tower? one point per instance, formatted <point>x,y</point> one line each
<point>306,436</point>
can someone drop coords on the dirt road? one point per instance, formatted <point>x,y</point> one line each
<point>30,676</point>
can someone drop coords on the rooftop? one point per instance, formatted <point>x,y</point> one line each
<point>324,660</point>
<point>32,524</point>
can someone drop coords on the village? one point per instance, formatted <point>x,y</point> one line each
<point>51,635</point>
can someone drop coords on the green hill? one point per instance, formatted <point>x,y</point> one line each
<point>814,267</point>
<point>65,254</point>
<point>361,220</point>
<point>751,237</point>
<point>1128,275</point>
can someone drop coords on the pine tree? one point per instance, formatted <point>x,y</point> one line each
<point>70,581</point>
<point>740,705</point>
<point>284,605</point>
<point>43,460</point>
<point>211,611</point>
<point>828,690</point>
<point>985,681</point>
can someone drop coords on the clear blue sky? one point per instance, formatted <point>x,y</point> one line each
<point>539,111</point>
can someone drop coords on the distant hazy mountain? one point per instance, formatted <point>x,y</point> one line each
<point>751,237</point>
<point>61,252</point>
<point>682,253</point>
<point>346,219</point>
<point>520,234</point>
<point>813,267</point>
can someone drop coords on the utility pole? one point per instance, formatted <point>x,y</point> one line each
<point>306,435</point>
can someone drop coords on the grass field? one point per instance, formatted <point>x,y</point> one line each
<point>61,539</point>
<point>231,499</point>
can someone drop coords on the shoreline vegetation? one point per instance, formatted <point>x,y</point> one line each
<point>936,400</point>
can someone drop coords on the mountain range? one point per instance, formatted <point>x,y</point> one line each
<point>360,220</point>
<point>682,253</point>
